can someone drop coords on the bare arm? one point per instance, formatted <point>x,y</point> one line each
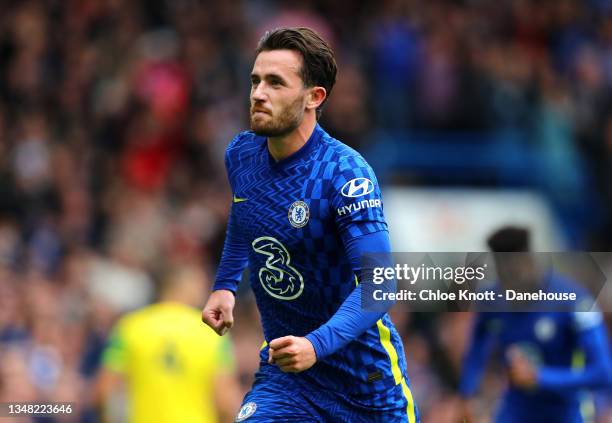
<point>227,396</point>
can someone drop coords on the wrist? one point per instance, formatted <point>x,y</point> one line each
<point>224,286</point>
<point>316,345</point>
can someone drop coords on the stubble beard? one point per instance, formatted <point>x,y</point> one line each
<point>287,120</point>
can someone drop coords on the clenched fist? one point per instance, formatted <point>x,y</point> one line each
<point>292,354</point>
<point>218,311</point>
<point>521,372</point>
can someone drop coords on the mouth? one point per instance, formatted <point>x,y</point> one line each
<point>261,111</point>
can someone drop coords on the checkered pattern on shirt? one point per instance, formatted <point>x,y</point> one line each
<point>316,177</point>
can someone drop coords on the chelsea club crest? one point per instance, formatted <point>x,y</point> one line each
<point>299,214</point>
<point>246,411</point>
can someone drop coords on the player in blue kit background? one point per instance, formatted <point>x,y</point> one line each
<point>553,356</point>
<point>305,208</point>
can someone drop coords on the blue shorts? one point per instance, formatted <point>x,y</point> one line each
<point>283,397</point>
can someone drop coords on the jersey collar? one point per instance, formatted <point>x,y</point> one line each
<point>301,153</point>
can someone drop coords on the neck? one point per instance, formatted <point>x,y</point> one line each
<point>282,147</point>
<point>176,298</point>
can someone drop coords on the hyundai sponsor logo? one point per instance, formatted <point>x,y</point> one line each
<point>357,187</point>
<point>363,204</point>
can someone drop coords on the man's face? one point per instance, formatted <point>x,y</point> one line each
<point>278,95</point>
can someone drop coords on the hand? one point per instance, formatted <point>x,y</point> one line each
<point>292,354</point>
<point>218,311</point>
<point>522,372</point>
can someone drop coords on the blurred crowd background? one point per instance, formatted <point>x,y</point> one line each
<point>114,116</point>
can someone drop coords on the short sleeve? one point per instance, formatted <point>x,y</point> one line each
<point>114,356</point>
<point>356,199</point>
<point>585,320</point>
<point>587,314</point>
<point>225,355</point>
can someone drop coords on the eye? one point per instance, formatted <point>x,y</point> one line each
<point>254,81</point>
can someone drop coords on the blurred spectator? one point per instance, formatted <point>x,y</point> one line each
<point>114,118</point>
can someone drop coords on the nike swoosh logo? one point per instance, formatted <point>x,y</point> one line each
<point>239,200</point>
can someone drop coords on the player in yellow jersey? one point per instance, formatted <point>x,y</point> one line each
<point>174,369</point>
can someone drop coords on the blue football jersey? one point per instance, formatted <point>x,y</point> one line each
<point>289,221</point>
<point>555,342</point>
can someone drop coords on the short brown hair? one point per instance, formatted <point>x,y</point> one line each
<point>509,239</point>
<point>319,63</point>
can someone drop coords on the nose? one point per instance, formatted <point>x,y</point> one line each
<point>258,92</point>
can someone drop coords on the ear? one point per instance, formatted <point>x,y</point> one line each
<point>316,96</point>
